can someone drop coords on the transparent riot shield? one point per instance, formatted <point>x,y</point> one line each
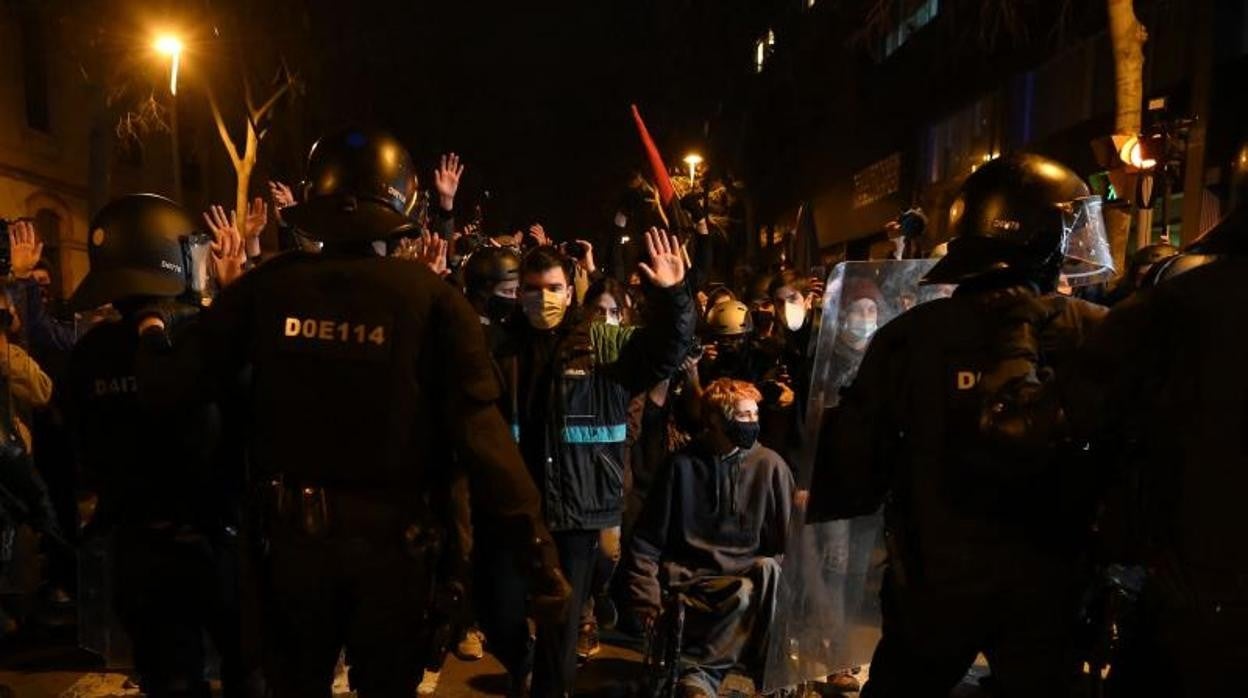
<point>99,631</point>
<point>827,614</point>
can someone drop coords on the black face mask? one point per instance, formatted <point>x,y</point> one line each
<point>743,435</point>
<point>500,308</point>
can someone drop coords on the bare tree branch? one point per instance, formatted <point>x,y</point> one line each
<point>221,128</point>
<point>272,101</point>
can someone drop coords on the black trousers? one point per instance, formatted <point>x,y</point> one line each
<point>169,592</point>
<point>554,668</point>
<point>500,596</point>
<point>932,635</point>
<point>367,594</point>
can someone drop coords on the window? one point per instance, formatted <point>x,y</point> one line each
<point>919,18</point>
<point>960,143</point>
<point>763,49</point>
<point>34,70</point>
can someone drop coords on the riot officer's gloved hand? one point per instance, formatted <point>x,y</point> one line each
<point>551,591</point>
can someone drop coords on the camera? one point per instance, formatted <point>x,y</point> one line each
<point>575,250</point>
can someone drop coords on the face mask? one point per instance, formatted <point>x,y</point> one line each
<point>544,310</point>
<point>499,308</point>
<point>743,435</point>
<point>613,320</point>
<point>860,330</point>
<point>794,315</point>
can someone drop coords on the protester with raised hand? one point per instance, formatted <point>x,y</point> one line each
<point>575,380</point>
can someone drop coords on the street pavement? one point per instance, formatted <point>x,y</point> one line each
<point>65,673</point>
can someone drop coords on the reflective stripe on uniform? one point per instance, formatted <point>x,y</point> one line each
<point>612,434</point>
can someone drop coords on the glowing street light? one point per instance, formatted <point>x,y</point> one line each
<point>1132,153</point>
<point>171,46</point>
<point>693,160</point>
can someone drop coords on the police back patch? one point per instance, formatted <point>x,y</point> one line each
<point>360,337</point>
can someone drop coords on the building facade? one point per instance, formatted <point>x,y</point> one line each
<point>45,126</point>
<point>860,109</point>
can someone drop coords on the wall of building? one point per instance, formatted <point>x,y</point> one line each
<point>44,129</point>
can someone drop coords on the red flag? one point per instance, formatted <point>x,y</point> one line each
<point>661,179</point>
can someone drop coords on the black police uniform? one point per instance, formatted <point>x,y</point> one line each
<point>170,497</point>
<point>365,371</point>
<point>1162,384</point>
<point>168,485</point>
<point>1168,383</point>
<point>986,513</point>
<point>983,559</point>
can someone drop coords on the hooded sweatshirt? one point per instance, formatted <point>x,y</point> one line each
<point>707,516</point>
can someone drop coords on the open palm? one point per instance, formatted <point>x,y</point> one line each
<point>667,266</point>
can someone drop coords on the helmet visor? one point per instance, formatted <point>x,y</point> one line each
<point>1088,257</point>
<point>197,250</point>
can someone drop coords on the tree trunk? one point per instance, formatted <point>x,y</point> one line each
<point>1128,37</point>
<point>242,171</point>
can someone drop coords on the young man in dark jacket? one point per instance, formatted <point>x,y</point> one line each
<point>575,380</point>
<point>714,528</point>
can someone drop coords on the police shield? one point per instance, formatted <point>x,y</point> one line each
<point>827,614</point>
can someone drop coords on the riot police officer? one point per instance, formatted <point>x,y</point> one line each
<point>366,373</point>
<point>1163,381</point>
<point>982,554</point>
<point>168,491</point>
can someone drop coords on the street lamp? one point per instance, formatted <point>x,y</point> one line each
<point>693,160</point>
<point>171,46</point>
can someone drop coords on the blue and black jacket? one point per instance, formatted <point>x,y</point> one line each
<point>574,385</point>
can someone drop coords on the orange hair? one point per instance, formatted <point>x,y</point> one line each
<point>723,395</point>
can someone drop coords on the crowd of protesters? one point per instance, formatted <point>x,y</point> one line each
<point>677,399</point>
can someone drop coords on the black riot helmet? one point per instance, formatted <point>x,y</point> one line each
<point>1230,235</point>
<point>142,245</point>
<point>1149,255</point>
<point>1174,266</point>
<point>1027,217</point>
<point>1145,258</point>
<point>488,267</point>
<point>360,187</point>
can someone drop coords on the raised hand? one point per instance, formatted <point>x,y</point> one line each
<point>588,262</point>
<point>666,268</point>
<point>432,253</point>
<point>257,217</point>
<point>228,249</point>
<point>282,197</point>
<point>446,180</point>
<point>539,234</point>
<point>25,248</point>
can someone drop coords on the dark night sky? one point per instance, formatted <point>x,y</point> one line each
<point>534,95</point>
